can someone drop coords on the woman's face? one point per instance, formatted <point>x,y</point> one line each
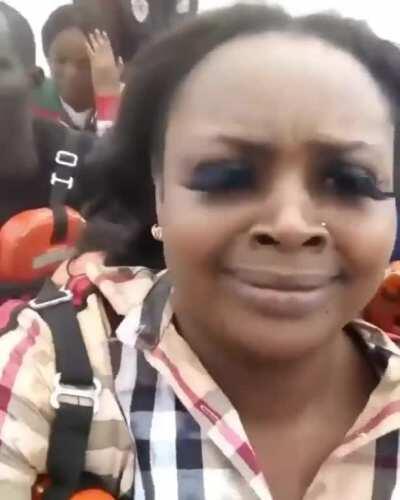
<point>70,68</point>
<point>275,149</point>
<point>19,158</point>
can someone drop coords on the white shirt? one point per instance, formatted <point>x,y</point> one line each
<point>78,118</point>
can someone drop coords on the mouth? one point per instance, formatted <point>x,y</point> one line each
<point>280,294</point>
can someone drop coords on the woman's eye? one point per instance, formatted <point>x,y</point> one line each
<point>223,177</point>
<point>351,182</point>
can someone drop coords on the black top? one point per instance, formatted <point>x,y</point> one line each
<point>32,192</point>
<point>22,194</point>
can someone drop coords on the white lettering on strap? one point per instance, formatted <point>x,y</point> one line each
<point>69,182</point>
<point>67,159</point>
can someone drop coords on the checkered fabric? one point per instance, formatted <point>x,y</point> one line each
<point>165,430</point>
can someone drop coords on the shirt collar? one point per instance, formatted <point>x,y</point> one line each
<point>146,322</point>
<point>78,118</point>
<point>140,296</point>
<point>143,298</point>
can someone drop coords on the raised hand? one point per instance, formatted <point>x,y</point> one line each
<point>106,70</point>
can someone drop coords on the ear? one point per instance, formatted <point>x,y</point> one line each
<point>36,76</point>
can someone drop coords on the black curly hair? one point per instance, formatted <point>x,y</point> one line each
<point>63,18</point>
<point>132,154</point>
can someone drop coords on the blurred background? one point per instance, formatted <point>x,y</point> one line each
<point>382,16</point>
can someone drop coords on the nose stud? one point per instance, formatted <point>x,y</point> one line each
<point>324,225</point>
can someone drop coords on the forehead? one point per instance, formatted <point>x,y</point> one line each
<point>70,41</point>
<point>283,87</point>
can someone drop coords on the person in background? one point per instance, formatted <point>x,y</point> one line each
<point>18,75</point>
<point>85,89</point>
<point>29,145</point>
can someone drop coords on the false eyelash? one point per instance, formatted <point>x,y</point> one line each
<point>354,181</point>
<point>377,194</point>
<point>215,177</point>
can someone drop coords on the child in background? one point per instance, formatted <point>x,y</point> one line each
<point>85,89</point>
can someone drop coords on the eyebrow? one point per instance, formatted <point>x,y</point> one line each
<point>326,141</point>
<point>247,143</point>
<point>321,142</point>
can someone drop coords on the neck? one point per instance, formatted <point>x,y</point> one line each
<point>333,378</point>
<point>78,107</point>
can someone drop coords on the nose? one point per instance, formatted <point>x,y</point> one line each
<point>69,71</point>
<point>290,231</point>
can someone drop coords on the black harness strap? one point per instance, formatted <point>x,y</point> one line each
<point>67,163</point>
<point>75,395</point>
<point>12,290</point>
<point>62,181</point>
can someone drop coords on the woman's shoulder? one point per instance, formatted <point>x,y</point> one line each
<point>123,287</point>
<point>28,375</point>
<point>23,333</point>
<point>27,369</point>
<point>24,330</point>
<point>27,357</point>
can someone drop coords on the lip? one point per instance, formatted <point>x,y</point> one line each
<point>279,294</point>
<point>279,280</point>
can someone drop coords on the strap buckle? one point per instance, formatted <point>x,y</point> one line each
<point>66,296</point>
<point>89,394</point>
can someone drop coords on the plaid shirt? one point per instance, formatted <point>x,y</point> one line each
<point>183,439</point>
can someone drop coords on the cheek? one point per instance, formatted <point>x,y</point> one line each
<point>365,242</point>
<point>196,235</point>
<point>82,82</point>
<point>62,76</point>
<point>88,82</point>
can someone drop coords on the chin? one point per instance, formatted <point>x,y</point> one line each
<point>278,339</point>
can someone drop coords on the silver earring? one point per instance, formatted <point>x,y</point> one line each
<point>324,225</point>
<point>156,232</point>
